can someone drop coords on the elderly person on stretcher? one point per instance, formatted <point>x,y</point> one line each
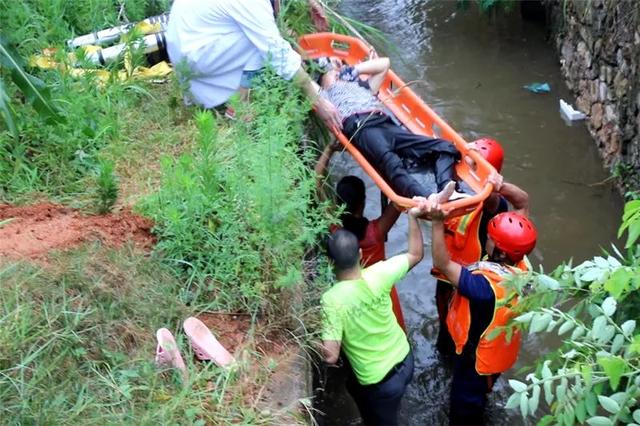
<point>385,144</point>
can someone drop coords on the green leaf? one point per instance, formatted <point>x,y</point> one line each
<point>566,327</point>
<point>32,88</point>
<point>608,404</point>
<point>513,401</point>
<point>636,416</point>
<point>524,404</point>
<point>524,318</point>
<point>534,400</point>
<point>548,393</point>
<point>634,233</point>
<point>540,322</point>
<point>600,421</point>
<point>569,416</point>
<point>546,420</point>
<point>614,367</point>
<point>609,306</point>
<point>598,326</point>
<point>587,374</point>
<point>517,385</point>
<point>607,334</point>
<point>561,391</point>
<point>618,282</point>
<point>546,371</point>
<point>617,343</point>
<point>581,411</point>
<point>6,111</point>
<point>592,274</point>
<point>548,282</point>
<point>634,347</point>
<point>591,402</point>
<point>577,332</point>
<point>628,327</point>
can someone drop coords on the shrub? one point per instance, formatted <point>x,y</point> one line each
<point>594,377</point>
<point>237,211</point>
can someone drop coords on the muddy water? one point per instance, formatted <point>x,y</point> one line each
<point>471,69</point>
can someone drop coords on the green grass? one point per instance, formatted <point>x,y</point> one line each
<point>77,346</point>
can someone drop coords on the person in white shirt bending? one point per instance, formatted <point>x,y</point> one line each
<point>224,43</point>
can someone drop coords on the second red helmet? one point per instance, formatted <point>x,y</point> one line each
<point>492,151</point>
<point>513,234</point>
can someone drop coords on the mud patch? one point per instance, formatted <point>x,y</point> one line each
<point>33,231</point>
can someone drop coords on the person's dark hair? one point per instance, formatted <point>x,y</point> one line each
<point>343,249</point>
<point>351,193</point>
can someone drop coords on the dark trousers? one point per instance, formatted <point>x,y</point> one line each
<point>386,145</point>
<point>444,293</point>
<point>468,393</point>
<point>379,403</point>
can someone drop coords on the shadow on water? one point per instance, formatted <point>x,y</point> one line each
<point>471,69</point>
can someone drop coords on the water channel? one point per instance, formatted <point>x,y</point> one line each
<point>471,68</point>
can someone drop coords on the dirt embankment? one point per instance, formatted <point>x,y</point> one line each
<point>33,231</point>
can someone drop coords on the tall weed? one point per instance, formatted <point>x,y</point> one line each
<point>237,212</point>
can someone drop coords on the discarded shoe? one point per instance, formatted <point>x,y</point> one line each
<point>204,343</point>
<point>167,353</point>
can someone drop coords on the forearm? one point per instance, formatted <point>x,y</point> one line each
<point>308,86</point>
<point>416,248</point>
<point>441,259</point>
<point>517,197</point>
<point>321,172</point>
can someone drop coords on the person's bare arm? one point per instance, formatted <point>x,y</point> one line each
<point>321,168</point>
<point>415,251</point>
<point>325,109</point>
<point>389,217</point>
<point>377,69</point>
<point>331,351</point>
<point>518,198</point>
<point>441,259</point>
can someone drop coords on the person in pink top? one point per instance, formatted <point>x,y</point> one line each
<point>371,234</point>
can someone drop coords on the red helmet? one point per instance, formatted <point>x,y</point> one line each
<point>513,234</point>
<point>492,151</point>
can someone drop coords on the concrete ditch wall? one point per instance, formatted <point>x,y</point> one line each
<point>598,42</point>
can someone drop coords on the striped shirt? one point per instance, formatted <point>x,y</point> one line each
<point>351,97</point>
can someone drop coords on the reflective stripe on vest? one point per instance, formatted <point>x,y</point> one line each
<point>462,240</point>
<point>496,355</point>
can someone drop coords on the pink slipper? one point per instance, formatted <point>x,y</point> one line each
<point>167,353</point>
<point>205,345</point>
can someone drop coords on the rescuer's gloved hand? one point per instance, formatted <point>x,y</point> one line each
<point>348,73</point>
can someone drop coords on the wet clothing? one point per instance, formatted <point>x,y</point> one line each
<point>379,403</point>
<point>216,40</point>
<point>387,146</point>
<point>358,313</point>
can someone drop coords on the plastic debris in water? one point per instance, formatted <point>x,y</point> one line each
<point>538,87</point>
<point>569,113</point>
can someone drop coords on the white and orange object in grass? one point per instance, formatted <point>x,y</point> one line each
<point>414,114</point>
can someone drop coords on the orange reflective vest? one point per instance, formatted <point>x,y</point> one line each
<point>461,239</point>
<point>499,354</point>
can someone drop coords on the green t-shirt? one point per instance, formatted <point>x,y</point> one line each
<point>359,314</point>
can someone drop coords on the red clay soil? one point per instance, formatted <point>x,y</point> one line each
<point>37,229</point>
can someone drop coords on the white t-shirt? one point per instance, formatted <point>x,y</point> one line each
<point>219,39</point>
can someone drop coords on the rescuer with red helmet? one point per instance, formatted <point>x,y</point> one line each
<point>467,235</point>
<point>479,306</point>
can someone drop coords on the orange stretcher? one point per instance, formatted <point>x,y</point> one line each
<point>413,113</point>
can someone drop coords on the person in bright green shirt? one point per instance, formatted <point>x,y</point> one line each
<point>358,318</point>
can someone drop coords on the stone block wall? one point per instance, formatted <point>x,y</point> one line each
<point>598,42</point>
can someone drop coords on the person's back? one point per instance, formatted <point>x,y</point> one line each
<point>220,39</point>
<point>371,337</point>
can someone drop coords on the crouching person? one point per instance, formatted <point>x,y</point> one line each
<point>480,304</point>
<point>358,318</point>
